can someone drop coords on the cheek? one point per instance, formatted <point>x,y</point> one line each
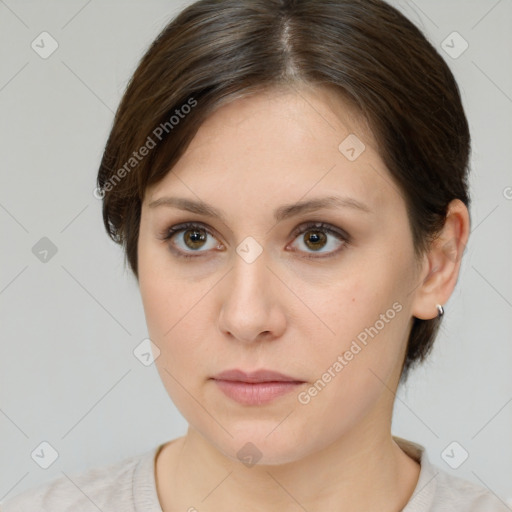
<point>367,339</point>
<point>351,371</point>
<point>162,296</point>
<point>369,314</point>
<point>177,317</point>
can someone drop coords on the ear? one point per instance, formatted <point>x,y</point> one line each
<point>441,263</point>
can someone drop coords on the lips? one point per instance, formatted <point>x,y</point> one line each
<point>255,376</point>
<point>255,388</point>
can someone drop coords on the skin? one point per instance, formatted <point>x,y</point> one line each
<point>285,312</point>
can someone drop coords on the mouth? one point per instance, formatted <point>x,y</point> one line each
<point>255,388</point>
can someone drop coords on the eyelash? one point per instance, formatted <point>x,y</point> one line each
<point>317,226</point>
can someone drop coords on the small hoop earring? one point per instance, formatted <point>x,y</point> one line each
<point>440,310</point>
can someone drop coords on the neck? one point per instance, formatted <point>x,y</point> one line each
<point>366,469</point>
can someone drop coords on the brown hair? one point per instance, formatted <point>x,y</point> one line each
<point>215,51</point>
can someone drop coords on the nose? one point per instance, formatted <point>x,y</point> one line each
<point>252,308</point>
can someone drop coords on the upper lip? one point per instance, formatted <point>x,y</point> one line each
<point>255,376</point>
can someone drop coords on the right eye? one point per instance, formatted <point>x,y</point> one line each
<point>190,238</point>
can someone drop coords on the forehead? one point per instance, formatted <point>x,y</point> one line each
<point>317,113</point>
<point>281,144</point>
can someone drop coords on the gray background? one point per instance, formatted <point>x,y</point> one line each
<point>68,375</point>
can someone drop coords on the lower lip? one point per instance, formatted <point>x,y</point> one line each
<point>256,393</point>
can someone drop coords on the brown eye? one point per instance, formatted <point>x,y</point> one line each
<point>187,239</point>
<point>315,239</point>
<point>318,236</point>
<point>194,238</point>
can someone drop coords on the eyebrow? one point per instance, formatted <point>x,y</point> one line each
<point>283,212</point>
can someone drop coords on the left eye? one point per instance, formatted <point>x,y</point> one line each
<point>194,237</point>
<point>316,237</point>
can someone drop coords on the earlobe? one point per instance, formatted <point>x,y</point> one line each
<point>442,263</point>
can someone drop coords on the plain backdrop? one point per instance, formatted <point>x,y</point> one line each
<point>71,316</point>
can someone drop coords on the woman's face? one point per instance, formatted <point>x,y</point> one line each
<point>256,288</point>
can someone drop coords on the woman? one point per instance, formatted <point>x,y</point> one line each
<point>289,181</point>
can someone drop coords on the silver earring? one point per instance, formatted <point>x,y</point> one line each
<point>440,310</point>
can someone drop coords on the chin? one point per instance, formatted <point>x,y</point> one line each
<point>263,444</point>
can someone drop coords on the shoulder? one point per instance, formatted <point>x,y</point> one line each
<point>452,491</point>
<point>439,491</point>
<point>106,488</point>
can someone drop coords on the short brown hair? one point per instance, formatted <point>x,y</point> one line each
<point>215,51</point>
